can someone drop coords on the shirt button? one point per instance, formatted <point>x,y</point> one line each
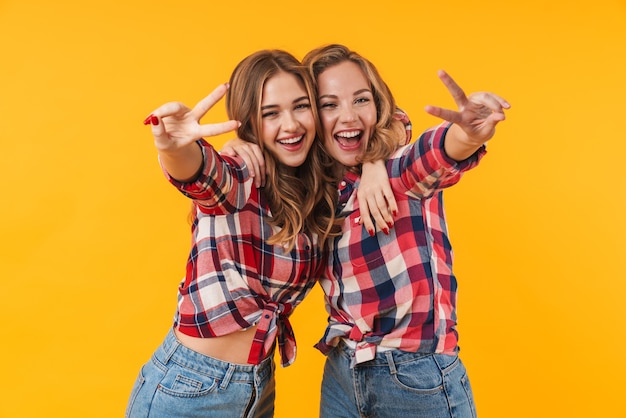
<point>342,184</point>
<point>267,316</point>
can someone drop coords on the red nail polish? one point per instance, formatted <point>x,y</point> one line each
<point>390,225</point>
<point>386,231</point>
<point>154,120</point>
<point>147,120</point>
<point>371,231</point>
<point>395,212</point>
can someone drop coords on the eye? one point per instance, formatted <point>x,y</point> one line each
<point>362,100</point>
<point>328,105</point>
<point>269,114</point>
<point>303,106</point>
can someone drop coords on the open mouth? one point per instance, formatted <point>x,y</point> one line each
<point>294,140</point>
<point>349,140</point>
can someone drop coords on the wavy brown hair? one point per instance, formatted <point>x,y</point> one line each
<point>303,201</point>
<point>388,132</point>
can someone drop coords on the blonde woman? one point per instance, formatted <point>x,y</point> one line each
<point>391,341</point>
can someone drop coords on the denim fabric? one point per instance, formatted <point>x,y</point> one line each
<point>179,382</point>
<point>395,384</point>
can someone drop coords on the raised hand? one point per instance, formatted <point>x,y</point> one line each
<point>175,126</point>
<point>477,117</point>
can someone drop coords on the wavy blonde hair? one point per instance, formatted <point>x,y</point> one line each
<point>303,201</point>
<point>388,132</point>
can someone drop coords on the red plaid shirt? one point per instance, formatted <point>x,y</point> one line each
<point>398,290</point>
<point>235,279</point>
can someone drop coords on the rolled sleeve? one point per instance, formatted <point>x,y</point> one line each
<point>222,181</point>
<point>424,168</point>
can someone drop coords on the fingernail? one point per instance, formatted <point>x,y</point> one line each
<point>371,232</point>
<point>386,231</point>
<point>154,120</point>
<point>395,212</point>
<point>147,120</point>
<point>390,225</point>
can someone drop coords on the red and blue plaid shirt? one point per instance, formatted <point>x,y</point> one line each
<point>398,290</point>
<point>235,279</point>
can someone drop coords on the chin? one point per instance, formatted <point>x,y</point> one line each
<point>348,162</point>
<point>294,163</point>
<point>347,158</point>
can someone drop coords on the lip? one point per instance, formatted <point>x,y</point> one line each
<point>293,142</point>
<point>349,139</point>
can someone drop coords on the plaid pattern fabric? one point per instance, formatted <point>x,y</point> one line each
<point>234,279</point>
<point>398,290</point>
<point>401,115</point>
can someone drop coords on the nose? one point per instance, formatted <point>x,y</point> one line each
<point>347,114</point>
<point>290,123</point>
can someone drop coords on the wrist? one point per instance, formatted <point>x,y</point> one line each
<point>183,164</point>
<point>458,145</point>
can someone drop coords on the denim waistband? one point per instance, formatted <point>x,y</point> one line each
<point>172,350</point>
<point>353,344</point>
<point>382,357</point>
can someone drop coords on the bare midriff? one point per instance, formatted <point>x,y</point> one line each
<point>232,348</point>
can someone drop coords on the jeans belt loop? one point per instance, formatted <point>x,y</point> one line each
<point>392,364</point>
<point>171,348</point>
<point>227,376</point>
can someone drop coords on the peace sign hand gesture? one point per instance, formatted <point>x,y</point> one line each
<point>176,128</point>
<point>475,121</point>
<point>181,126</point>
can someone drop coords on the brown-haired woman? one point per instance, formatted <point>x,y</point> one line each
<point>256,252</point>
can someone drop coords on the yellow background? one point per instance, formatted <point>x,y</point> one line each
<point>94,240</point>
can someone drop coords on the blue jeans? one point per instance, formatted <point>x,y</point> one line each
<point>179,382</point>
<point>395,384</point>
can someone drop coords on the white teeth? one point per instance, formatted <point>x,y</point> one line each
<point>350,134</point>
<point>291,140</point>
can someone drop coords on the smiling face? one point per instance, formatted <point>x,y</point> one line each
<point>347,111</point>
<point>287,121</point>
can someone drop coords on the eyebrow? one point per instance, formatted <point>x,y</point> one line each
<point>299,99</point>
<point>356,93</point>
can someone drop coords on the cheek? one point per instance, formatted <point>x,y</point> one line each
<point>268,133</point>
<point>370,117</point>
<point>308,121</point>
<point>327,124</point>
<point>331,148</point>
<point>329,142</point>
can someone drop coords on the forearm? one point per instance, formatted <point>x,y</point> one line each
<point>183,164</point>
<point>424,166</point>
